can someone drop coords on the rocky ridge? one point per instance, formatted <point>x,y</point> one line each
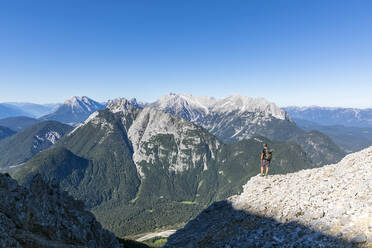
<point>193,108</point>
<point>236,118</point>
<point>25,144</point>
<point>42,215</point>
<point>323,207</point>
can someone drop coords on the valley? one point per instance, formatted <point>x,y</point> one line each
<point>145,167</point>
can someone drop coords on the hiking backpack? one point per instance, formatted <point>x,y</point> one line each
<point>268,155</point>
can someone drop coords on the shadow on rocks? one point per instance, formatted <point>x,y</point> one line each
<point>222,226</point>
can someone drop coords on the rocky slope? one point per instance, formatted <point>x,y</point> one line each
<point>22,146</point>
<point>44,216</point>
<point>324,207</point>
<point>232,118</point>
<point>238,117</point>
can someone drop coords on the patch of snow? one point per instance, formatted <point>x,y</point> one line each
<point>53,136</point>
<point>198,107</point>
<point>79,104</point>
<point>257,139</point>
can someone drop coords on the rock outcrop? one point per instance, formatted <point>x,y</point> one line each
<point>42,215</point>
<point>323,207</point>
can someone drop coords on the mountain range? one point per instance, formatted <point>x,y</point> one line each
<point>325,116</point>
<point>237,117</point>
<point>12,109</point>
<point>350,139</point>
<point>73,111</point>
<point>142,169</point>
<point>18,123</point>
<point>7,110</point>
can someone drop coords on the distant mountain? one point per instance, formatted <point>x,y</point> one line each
<point>142,169</point>
<point>238,117</point>
<point>333,116</point>
<point>20,147</point>
<point>7,110</point>
<point>74,110</point>
<point>5,132</point>
<point>350,139</point>
<point>232,118</point>
<point>18,123</point>
<point>34,110</point>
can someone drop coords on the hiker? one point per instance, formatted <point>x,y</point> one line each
<point>266,156</point>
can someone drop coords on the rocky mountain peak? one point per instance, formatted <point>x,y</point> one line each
<point>248,104</point>
<point>42,215</point>
<point>121,105</point>
<point>74,110</point>
<point>152,123</point>
<point>200,109</point>
<point>81,104</point>
<point>79,101</point>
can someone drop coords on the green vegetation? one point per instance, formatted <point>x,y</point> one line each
<point>132,244</point>
<point>5,132</point>
<point>350,139</point>
<point>22,146</point>
<point>189,202</point>
<point>319,147</point>
<point>156,242</point>
<point>95,164</point>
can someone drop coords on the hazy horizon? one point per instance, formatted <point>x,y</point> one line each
<point>139,100</point>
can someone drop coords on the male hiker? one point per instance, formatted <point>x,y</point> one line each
<point>266,156</point>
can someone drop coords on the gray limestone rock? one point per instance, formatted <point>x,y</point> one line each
<point>329,206</point>
<point>42,215</point>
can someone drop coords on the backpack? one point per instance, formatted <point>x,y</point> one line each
<point>268,155</point>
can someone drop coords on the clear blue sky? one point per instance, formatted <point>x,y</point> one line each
<point>303,52</point>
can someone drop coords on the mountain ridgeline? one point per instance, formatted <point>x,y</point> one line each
<point>23,145</point>
<point>350,117</point>
<point>142,169</point>
<point>237,117</point>
<point>348,138</point>
<point>18,123</point>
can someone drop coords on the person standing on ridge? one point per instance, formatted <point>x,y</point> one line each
<point>266,156</point>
